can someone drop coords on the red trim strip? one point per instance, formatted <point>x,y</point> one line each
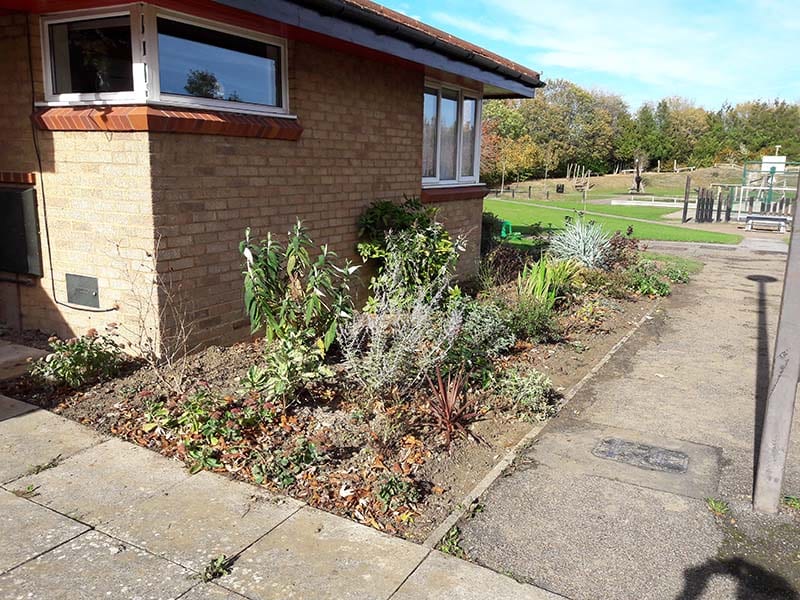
<point>451,194</point>
<point>24,177</point>
<point>150,118</point>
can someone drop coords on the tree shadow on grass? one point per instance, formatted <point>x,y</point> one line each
<point>752,581</point>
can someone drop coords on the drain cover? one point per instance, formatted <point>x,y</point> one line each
<point>643,456</point>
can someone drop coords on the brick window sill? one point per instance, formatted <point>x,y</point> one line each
<point>165,120</point>
<point>432,195</point>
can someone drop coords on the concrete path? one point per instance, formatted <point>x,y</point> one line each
<point>609,500</point>
<point>86,517</point>
<point>14,358</point>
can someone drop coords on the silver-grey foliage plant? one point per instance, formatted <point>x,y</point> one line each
<point>583,241</point>
<point>391,348</point>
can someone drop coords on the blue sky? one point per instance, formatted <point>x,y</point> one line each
<point>709,51</point>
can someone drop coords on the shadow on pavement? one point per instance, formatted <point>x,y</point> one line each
<point>752,581</point>
<point>762,365</point>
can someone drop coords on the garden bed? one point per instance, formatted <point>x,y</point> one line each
<point>117,407</point>
<point>388,415</point>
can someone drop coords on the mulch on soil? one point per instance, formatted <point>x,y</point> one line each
<point>385,466</point>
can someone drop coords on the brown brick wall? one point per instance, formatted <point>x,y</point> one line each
<point>96,190</point>
<point>463,217</point>
<point>361,142</point>
<point>109,195</point>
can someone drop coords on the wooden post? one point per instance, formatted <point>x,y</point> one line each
<point>686,192</point>
<point>698,208</point>
<point>729,205</point>
<point>779,410</point>
<point>530,188</point>
<point>719,205</point>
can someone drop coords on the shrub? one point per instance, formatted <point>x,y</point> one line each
<point>613,284</point>
<point>449,404</point>
<point>287,292</point>
<point>623,250</point>
<point>535,321</point>
<point>582,241</point>
<point>646,279</point>
<point>486,333</point>
<point>392,347</point>
<point>290,365</point>
<point>529,392</point>
<point>383,217</point>
<point>78,361</point>
<point>414,259</point>
<point>676,274</point>
<point>502,265</point>
<point>491,227</point>
<point>545,282</point>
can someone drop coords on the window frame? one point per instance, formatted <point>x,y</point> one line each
<point>145,62</point>
<point>463,93</point>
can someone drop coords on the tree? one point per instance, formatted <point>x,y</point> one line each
<point>203,84</point>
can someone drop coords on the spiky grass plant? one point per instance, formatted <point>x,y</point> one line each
<point>584,242</point>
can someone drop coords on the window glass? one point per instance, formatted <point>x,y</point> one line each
<point>448,130</point>
<point>468,132</point>
<point>429,132</point>
<point>194,61</point>
<point>91,56</point>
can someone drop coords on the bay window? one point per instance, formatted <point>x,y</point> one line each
<point>450,135</point>
<point>148,55</point>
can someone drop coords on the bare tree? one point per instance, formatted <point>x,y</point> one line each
<point>162,326</point>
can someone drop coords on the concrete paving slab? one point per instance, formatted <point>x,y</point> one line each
<point>14,359</point>
<point>36,437</point>
<point>10,408</point>
<point>98,484</point>
<point>442,576</point>
<point>573,444</point>
<point>94,566</point>
<point>317,555</point>
<point>209,591</point>
<point>587,537</point>
<point>27,530</point>
<point>201,518</point>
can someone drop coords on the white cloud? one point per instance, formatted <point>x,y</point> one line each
<point>667,48</point>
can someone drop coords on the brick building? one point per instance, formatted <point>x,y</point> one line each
<point>150,135</point>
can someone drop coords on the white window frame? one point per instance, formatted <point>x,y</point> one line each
<point>144,44</point>
<point>462,93</point>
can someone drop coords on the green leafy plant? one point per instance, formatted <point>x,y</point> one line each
<point>78,361</point>
<point>287,292</point>
<point>545,282</point>
<point>29,491</point>
<point>216,568</point>
<point>451,543</point>
<point>529,392</point>
<point>396,491</point>
<point>792,502</point>
<point>450,405</point>
<point>284,469</point>
<point>486,333</point>
<point>414,259</point>
<point>582,241</point>
<point>676,274</point>
<point>535,321</point>
<point>719,508</point>
<point>491,227</point>
<point>384,216</point>
<point>289,366</point>
<point>646,279</point>
<point>502,265</point>
<point>391,348</point>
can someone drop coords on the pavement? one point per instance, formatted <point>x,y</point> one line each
<point>14,358</point>
<point>609,501</point>
<point>83,516</point>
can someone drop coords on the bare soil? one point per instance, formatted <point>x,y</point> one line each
<point>362,446</point>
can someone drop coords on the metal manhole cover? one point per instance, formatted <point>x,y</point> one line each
<point>642,456</point>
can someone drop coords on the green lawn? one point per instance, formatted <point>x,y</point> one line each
<point>653,213</point>
<point>690,265</point>
<point>523,216</point>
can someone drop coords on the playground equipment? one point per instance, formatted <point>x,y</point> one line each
<point>768,193</point>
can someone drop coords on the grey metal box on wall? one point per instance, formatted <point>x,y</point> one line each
<point>19,232</point>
